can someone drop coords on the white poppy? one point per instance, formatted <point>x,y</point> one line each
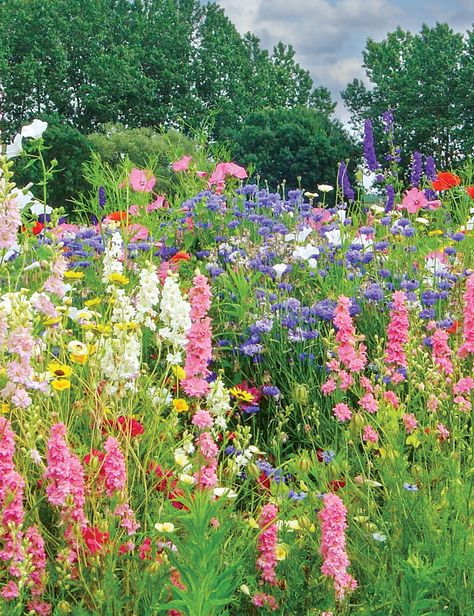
<point>39,208</point>
<point>334,237</point>
<point>305,252</point>
<point>34,130</point>
<point>301,236</point>
<point>325,188</point>
<point>225,492</point>
<point>280,269</point>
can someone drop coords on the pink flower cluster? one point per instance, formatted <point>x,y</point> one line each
<point>468,328</point>
<point>54,283</point>
<point>333,545</point>
<point>206,477</point>
<point>66,487</point>
<point>261,599</point>
<point>441,351</point>
<point>198,347</point>
<point>20,343</point>
<point>113,467</point>
<point>352,358</point>
<point>397,332</point>
<point>11,482</point>
<point>266,544</point>
<point>10,220</point>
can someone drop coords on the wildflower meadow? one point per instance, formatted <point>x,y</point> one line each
<point>223,399</point>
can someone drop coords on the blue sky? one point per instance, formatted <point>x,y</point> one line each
<point>329,35</point>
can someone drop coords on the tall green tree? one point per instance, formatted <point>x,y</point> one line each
<point>424,79</point>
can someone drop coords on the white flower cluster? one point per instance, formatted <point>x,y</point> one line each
<point>113,254</point>
<point>123,310</point>
<point>148,296</point>
<point>121,356</point>
<point>174,313</point>
<point>218,402</point>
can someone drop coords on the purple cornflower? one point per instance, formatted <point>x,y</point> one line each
<point>369,147</point>
<point>374,292</point>
<point>416,169</point>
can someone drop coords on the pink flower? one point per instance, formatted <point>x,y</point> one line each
<point>464,385</point>
<point>441,351</point>
<point>10,591</point>
<point>10,220</point>
<point>397,332</point>
<point>11,482</point>
<point>370,435</point>
<point>157,204</point>
<point>182,164</point>
<point>342,412</point>
<point>414,200</point>
<point>223,170</point>
<point>202,420</point>
<point>207,447</point>
<point>128,521</point>
<point>141,181</point>
<point>443,432</point>
<point>410,422</point>
<point>114,467</point>
<point>262,599</point>
<point>369,403</point>
<point>64,472</point>
<point>35,550</point>
<point>392,398</point>
<point>333,542</point>
<point>352,358</point>
<point>266,544</point>
<point>328,387</point>
<point>468,328</point>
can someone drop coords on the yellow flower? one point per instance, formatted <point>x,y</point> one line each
<point>60,371</point>
<point>52,321</point>
<point>241,394</point>
<point>72,275</point>
<point>4,408</point>
<point>92,302</point>
<point>118,278</point>
<point>179,372</point>
<point>78,359</point>
<point>180,405</point>
<point>435,232</point>
<point>281,552</point>
<point>102,329</point>
<point>60,384</point>
<point>130,326</point>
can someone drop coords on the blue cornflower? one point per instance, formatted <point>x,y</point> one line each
<point>410,487</point>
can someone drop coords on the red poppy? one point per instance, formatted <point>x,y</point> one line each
<point>336,484</point>
<point>117,216</point>
<point>130,426</point>
<point>95,453</point>
<point>454,327</point>
<point>180,256</point>
<point>319,454</point>
<point>144,551</point>
<point>166,482</point>
<point>94,539</point>
<point>470,191</point>
<point>37,228</point>
<point>445,180</point>
<point>264,481</point>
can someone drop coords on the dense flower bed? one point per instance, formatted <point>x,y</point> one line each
<point>230,400</point>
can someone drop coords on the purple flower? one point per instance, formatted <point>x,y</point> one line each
<point>390,191</point>
<point>343,180</point>
<point>374,292</point>
<point>387,120</point>
<point>369,147</point>
<point>430,168</point>
<point>416,169</point>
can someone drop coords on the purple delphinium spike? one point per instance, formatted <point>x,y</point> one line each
<point>387,119</point>
<point>102,197</point>
<point>416,169</point>
<point>369,147</point>
<point>343,180</point>
<point>390,197</point>
<point>430,168</point>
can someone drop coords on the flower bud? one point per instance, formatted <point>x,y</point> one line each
<point>252,470</point>
<point>64,607</point>
<point>300,393</point>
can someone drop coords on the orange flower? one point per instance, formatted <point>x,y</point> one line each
<point>117,216</point>
<point>445,180</point>
<point>180,256</point>
<point>470,191</point>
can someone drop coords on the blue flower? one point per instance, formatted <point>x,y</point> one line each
<point>410,487</point>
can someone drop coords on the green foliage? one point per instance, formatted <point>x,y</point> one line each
<point>425,78</point>
<point>287,144</point>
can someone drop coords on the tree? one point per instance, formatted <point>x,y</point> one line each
<point>426,79</point>
<point>285,144</point>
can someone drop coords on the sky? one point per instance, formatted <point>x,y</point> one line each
<point>329,35</point>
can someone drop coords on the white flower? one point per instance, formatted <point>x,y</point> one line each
<point>379,537</point>
<point>280,269</point>
<point>39,208</point>
<point>325,188</point>
<point>311,195</point>
<point>14,148</point>
<point>35,456</point>
<point>334,237</point>
<point>305,252</point>
<point>175,359</point>
<point>187,479</point>
<point>300,237</point>
<point>227,492</point>
<point>181,458</point>
<point>34,130</point>
<point>165,527</point>
<point>76,347</point>
<point>423,221</point>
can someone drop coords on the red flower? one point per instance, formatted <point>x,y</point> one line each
<point>264,481</point>
<point>37,228</point>
<point>94,539</point>
<point>144,551</point>
<point>95,453</point>
<point>130,426</point>
<point>445,180</point>
<point>166,482</point>
<point>470,191</point>
<point>454,327</point>
<point>336,484</point>
<point>117,216</point>
<point>180,256</point>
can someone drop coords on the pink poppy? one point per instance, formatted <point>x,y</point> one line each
<point>141,181</point>
<point>182,164</point>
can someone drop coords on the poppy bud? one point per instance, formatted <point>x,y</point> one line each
<point>64,607</point>
<point>304,464</point>
<point>252,470</point>
<point>300,393</point>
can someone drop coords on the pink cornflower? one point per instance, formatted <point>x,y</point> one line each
<point>342,412</point>
<point>370,435</point>
<point>333,542</point>
<point>114,467</point>
<point>397,332</point>
<point>64,472</point>
<point>464,385</point>
<point>392,398</point>
<point>262,599</point>
<point>369,403</point>
<point>202,420</point>
<point>266,544</point>
<point>468,327</point>
<point>328,387</point>
<point>410,422</point>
